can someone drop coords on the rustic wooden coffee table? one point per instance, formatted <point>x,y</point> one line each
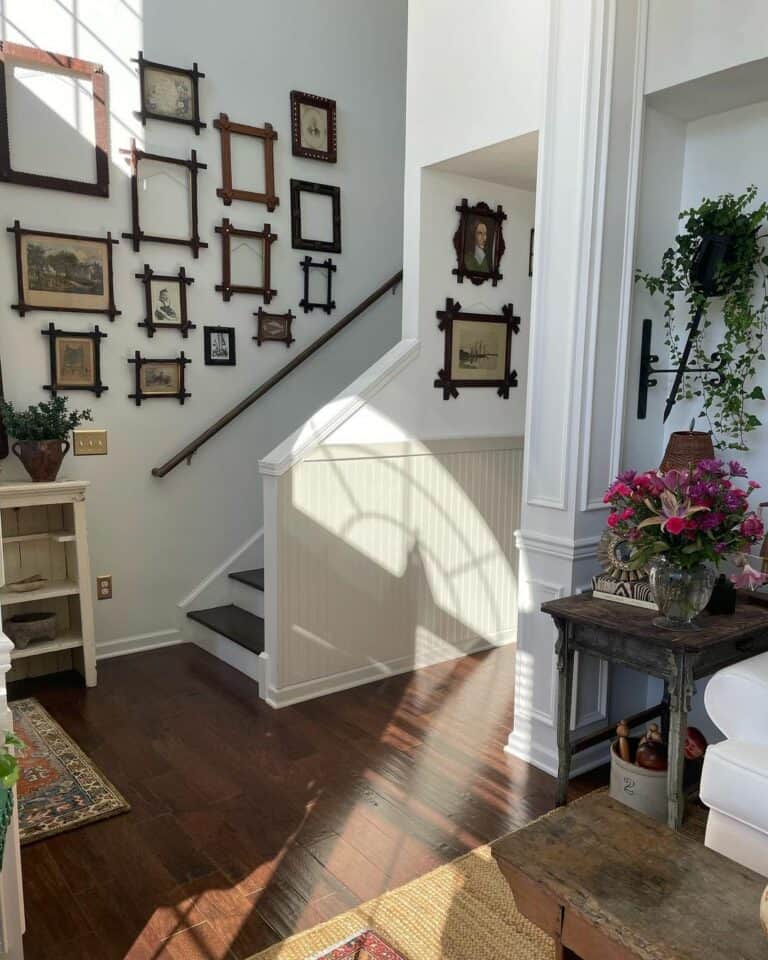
<point>607,883</point>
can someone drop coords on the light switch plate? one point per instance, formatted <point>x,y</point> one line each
<point>89,443</point>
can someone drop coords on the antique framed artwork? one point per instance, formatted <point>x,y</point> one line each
<point>192,166</point>
<point>477,349</point>
<point>274,326</point>
<point>229,191</point>
<point>264,239</point>
<point>165,297</point>
<point>479,243</point>
<point>66,272</point>
<point>169,93</point>
<point>313,126</point>
<point>75,360</point>
<point>301,238</point>
<point>328,267</point>
<point>91,83</point>
<point>219,346</point>
<point>161,379</point>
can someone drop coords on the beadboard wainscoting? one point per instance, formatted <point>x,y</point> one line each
<point>392,556</point>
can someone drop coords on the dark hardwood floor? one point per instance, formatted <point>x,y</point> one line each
<point>247,823</point>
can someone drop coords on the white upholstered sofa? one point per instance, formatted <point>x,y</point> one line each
<point>734,782</point>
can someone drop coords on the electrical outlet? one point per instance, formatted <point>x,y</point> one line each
<point>104,587</point>
<point>87,443</point>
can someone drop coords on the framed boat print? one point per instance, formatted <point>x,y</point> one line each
<point>161,379</point>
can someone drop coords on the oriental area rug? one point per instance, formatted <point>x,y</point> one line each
<point>59,788</point>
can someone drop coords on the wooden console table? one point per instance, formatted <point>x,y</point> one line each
<point>624,634</point>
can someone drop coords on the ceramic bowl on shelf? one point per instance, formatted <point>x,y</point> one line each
<point>25,628</point>
<point>28,584</point>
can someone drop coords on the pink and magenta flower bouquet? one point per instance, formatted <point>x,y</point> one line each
<point>694,516</point>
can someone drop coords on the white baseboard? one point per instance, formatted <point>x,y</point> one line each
<point>122,646</point>
<point>546,760</point>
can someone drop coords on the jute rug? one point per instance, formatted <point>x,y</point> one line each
<point>59,787</point>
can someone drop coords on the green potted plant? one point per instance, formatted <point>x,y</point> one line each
<point>9,775</point>
<point>40,434</point>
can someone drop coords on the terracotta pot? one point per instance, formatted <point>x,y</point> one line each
<point>41,458</point>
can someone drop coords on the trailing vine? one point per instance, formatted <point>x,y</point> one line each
<point>741,284</point>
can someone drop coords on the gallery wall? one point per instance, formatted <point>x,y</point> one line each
<point>160,538</point>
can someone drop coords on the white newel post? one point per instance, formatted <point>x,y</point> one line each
<point>582,289</point>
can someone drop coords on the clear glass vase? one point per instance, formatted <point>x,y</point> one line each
<point>680,594</point>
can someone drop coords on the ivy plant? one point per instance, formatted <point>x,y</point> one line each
<point>729,405</point>
<point>46,421</point>
<point>9,765</point>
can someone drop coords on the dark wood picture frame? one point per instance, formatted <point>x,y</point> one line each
<point>24,306</point>
<point>16,53</point>
<point>182,281</point>
<point>470,217</point>
<point>56,385</point>
<point>446,380</point>
<point>140,362</point>
<point>298,241</point>
<point>265,335</point>
<point>299,99</point>
<point>210,360</point>
<point>268,135</point>
<point>193,166</point>
<point>193,75</point>
<point>308,264</point>
<point>530,253</point>
<point>226,288</point>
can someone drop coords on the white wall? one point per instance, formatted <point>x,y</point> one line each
<point>160,538</point>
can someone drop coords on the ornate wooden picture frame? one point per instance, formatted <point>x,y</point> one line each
<point>313,126</point>
<point>165,297</point>
<point>219,346</point>
<point>12,54</point>
<point>479,243</point>
<point>274,327</point>
<point>193,166</point>
<point>478,349</point>
<point>66,272</point>
<point>226,288</point>
<point>298,240</point>
<point>169,93</point>
<point>268,135</point>
<point>307,265</point>
<point>75,359</point>
<point>159,379</point>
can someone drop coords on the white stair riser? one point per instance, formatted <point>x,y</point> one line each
<point>230,652</point>
<point>248,598</point>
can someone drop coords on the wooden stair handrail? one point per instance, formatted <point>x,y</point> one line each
<point>191,448</point>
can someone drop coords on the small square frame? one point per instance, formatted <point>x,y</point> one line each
<point>181,362</point>
<point>211,361</point>
<point>226,288</point>
<point>329,266</point>
<point>321,103</point>
<point>298,242</point>
<point>466,214</point>
<point>182,281</point>
<point>286,322</point>
<point>193,74</point>
<point>96,336</point>
<point>268,135</point>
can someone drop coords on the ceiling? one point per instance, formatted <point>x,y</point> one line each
<point>510,162</point>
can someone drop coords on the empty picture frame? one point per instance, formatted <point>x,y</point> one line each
<point>298,239</point>
<point>267,238</point>
<point>267,135</point>
<point>159,379</point>
<point>75,360</point>
<point>169,93</point>
<point>165,297</point>
<point>274,327</point>
<point>219,346</point>
<point>313,126</point>
<point>193,166</point>
<point>95,182</point>
<point>307,266</point>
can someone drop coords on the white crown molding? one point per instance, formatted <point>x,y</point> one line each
<point>562,547</point>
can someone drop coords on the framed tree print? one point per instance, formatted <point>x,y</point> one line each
<point>219,346</point>
<point>262,281</point>
<point>477,350</point>
<point>165,298</point>
<point>313,126</point>
<point>479,243</point>
<point>312,268</point>
<point>67,272</point>
<point>75,360</point>
<point>267,136</point>
<point>303,236</point>
<point>274,326</point>
<point>169,93</point>
<point>159,379</point>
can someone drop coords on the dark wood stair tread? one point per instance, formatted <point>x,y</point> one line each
<point>233,622</point>
<point>253,578</point>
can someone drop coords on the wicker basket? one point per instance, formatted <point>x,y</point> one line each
<point>686,447</point>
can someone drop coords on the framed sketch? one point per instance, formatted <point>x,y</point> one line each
<point>299,238</point>
<point>75,360</point>
<point>477,349</point>
<point>159,379</point>
<point>169,93</point>
<point>318,266</point>
<point>63,271</point>
<point>313,126</point>
<point>267,135</point>
<point>274,326</point>
<point>479,243</point>
<point>265,238</point>
<point>165,298</point>
<point>219,346</point>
